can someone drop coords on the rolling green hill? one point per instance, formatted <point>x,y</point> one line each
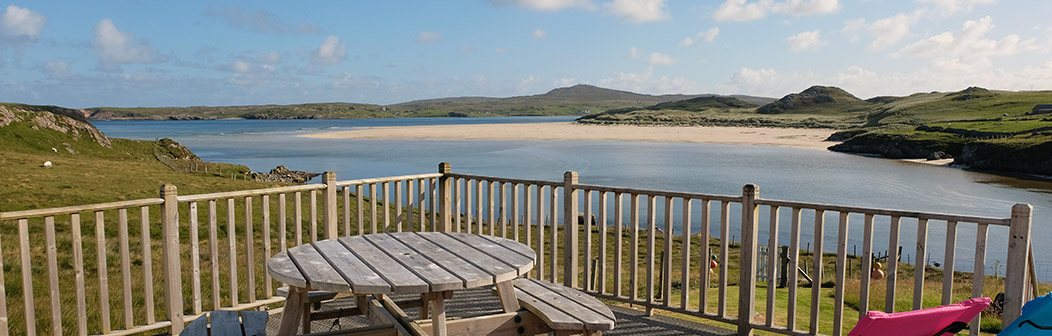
<point>87,166</point>
<point>575,100</point>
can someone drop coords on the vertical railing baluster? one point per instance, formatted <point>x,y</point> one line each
<point>618,242</point>
<point>231,234</point>
<point>540,233</point>
<point>772,263</point>
<point>469,207</point>
<point>420,199</point>
<point>1019,241</point>
<point>816,272</point>
<point>792,269</point>
<point>172,258</point>
<point>633,250</point>
<point>282,224</point>
<point>503,209</point>
<point>478,208</point>
<point>725,240</point>
<point>250,248</point>
<point>410,206</point>
<point>195,259</point>
<point>685,256</point>
<point>387,206</point>
<point>52,270</point>
<point>587,205</point>
<point>705,259</point>
<point>78,270</point>
<point>978,272</point>
<point>867,264</point>
<point>666,261</point>
<point>602,243</point>
<point>515,212</point>
<point>651,250</point>
<point>82,327</point>
<point>104,281</point>
<point>527,212</point>
<point>297,217</point>
<point>948,262</point>
<point>27,277</point>
<point>314,215</point>
<point>213,244</point>
<point>360,203</point>
<point>919,263</point>
<point>372,204</point>
<point>491,190</point>
<point>554,244</point>
<point>346,211</point>
<point>841,273</point>
<point>432,187</point>
<point>458,197</point>
<point>268,287</point>
<point>893,265</point>
<point>398,206</point>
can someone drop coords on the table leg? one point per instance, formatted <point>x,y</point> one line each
<point>292,315</point>
<point>506,292</point>
<point>438,322</point>
<point>425,306</point>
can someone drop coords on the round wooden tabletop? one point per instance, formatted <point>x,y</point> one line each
<point>402,263</point>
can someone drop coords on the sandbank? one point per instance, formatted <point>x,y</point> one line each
<point>806,138</point>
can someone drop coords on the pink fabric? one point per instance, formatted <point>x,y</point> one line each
<point>924,322</point>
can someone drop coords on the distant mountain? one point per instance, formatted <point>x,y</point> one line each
<point>574,100</point>
<point>816,100</point>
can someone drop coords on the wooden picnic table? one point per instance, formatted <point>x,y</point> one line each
<point>432,264</point>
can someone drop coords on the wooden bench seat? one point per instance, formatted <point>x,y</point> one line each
<point>567,311</point>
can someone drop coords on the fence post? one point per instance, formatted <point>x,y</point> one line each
<point>1015,271</point>
<point>445,200</point>
<point>747,274</point>
<point>173,280</point>
<point>570,227</point>
<point>329,178</point>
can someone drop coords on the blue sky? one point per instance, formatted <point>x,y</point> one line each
<point>182,53</point>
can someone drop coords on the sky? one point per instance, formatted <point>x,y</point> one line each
<point>188,53</point>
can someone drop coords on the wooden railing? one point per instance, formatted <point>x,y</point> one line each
<point>194,253</point>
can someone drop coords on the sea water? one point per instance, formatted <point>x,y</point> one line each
<point>781,173</point>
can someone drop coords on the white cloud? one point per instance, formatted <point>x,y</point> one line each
<point>272,57</point>
<point>661,59</point>
<point>707,36</point>
<point>115,47</point>
<point>767,82</point>
<point>806,41</point>
<point>547,5</point>
<point>969,50</point>
<point>260,21</point>
<point>647,82</point>
<point>540,33</point>
<point>57,70</point>
<point>429,37</point>
<point>241,66</point>
<point>743,10</point>
<point>885,32</point>
<point>633,52</point>
<point>954,6</point>
<point>21,23</point>
<point>638,11</point>
<point>331,51</point>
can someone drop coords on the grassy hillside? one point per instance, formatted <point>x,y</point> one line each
<point>575,100</point>
<point>88,167</point>
<point>711,111</point>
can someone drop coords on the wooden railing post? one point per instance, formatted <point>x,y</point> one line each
<point>445,198</point>
<point>329,178</point>
<point>1015,271</point>
<point>173,280</point>
<point>747,275</point>
<point>570,227</point>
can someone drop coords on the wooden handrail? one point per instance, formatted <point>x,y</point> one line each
<point>25,214</point>
<point>886,212</point>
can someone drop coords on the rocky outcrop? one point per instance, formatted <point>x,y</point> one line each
<point>815,95</point>
<point>53,118</point>
<point>174,150</point>
<point>284,174</point>
<point>1035,159</point>
<point>894,146</point>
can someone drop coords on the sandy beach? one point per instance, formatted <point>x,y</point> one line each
<point>787,137</point>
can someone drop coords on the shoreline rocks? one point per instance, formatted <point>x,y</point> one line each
<point>284,174</point>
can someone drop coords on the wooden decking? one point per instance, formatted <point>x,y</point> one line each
<point>482,300</point>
